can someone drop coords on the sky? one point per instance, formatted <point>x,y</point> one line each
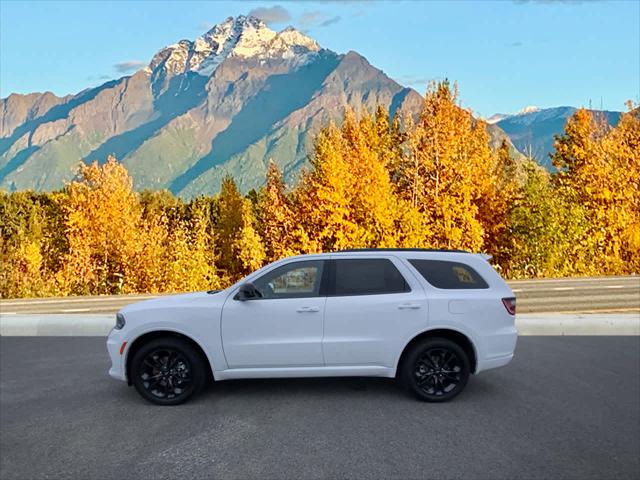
<point>504,54</point>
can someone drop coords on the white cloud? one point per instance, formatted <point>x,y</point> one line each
<point>317,19</point>
<point>275,14</point>
<point>129,66</point>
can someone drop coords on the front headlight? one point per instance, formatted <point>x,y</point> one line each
<point>119,321</point>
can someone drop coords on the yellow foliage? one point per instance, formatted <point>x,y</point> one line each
<point>373,182</point>
<point>447,171</point>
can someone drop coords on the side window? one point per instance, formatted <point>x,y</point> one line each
<point>293,280</point>
<point>449,275</point>
<point>369,276</point>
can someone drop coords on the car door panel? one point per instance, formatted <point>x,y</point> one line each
<point>274,332</point>
<point>371,329</point>
<point>271,333</point>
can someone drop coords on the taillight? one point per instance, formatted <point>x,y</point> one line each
<point>510,304</point>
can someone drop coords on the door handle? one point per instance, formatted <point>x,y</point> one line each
<point>409,306</point>
<point>308,309</point>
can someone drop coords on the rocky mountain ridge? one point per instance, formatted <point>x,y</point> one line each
<point>224,103</point>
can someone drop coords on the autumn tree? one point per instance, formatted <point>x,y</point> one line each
<point>447,170</point>
<point>622,145</point>
<point>544,230</point>
<point>497,199</point>
<point>598,169</point>
<point>32,243</point>
<point>281,231</point>
<point>347,199</point>
<point>191,261</point>
<point>240,246</point>
<point>102,216</point>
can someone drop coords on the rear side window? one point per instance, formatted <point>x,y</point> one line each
<point>449,275</point>
<point>371,276</point>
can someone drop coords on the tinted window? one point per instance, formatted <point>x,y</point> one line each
<point>367,277</point>
<point>449,275</point>
<point>297,279</point>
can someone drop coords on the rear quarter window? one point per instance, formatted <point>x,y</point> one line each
<point>449,275</point>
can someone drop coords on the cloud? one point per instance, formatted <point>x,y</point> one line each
<point>275,14</point>
<point>90,78</point>
<point>129,66</point>
<point>413,80</point>
<point>330,21</point>
<point>515,44</point>
<point>316,18</point>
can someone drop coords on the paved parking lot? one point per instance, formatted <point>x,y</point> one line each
<point>567,407</point>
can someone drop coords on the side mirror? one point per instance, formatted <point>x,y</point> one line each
<point>247,291</point>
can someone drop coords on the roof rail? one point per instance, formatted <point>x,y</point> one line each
<point>401,250</point>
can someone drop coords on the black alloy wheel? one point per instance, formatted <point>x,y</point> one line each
<point>167,371</point>
<point>436,369</point>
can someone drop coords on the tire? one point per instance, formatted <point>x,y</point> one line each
<point>168,371</point>
<point>435,369</point>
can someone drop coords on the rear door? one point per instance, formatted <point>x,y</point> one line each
<point>374,305</point>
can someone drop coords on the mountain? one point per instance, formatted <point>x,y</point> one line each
<point>224,103</point>
<point>532,130</point>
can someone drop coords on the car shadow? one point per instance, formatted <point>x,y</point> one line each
<point>483,388</point>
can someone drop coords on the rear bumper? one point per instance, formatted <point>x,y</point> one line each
<point>494,362</point>
<point>500,349</point>
<point>114,342</point>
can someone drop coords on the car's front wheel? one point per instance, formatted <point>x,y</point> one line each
<point>436,369</point>
<point>167,371</point>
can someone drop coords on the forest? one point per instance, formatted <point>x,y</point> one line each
<point>373,181</point>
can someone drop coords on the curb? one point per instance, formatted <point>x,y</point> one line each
<point>56,325</point>
<point>61,325</point>
<point>579,324</point>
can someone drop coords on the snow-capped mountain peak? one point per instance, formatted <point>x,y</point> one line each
<point>498,117</point>
<point>528,109</point>
<point>242,36</point>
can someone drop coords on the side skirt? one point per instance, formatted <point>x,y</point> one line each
<point>301,372</point>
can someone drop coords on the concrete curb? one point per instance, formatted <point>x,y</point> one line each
<point>66,325</point>
<point>578,324</point>
<point>56,325</point>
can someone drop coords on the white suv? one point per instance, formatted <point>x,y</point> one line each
<point>426,317</point>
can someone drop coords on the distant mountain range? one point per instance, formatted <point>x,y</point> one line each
<point>224,103</point>
<point>532,129</point>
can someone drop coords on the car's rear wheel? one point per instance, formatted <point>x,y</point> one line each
<point>167,371</point>
<point>436,369</point>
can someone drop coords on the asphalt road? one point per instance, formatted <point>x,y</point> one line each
<point>572,295</point>
<point>566,407</point>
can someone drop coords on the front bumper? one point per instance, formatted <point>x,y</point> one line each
<point>114,343</point>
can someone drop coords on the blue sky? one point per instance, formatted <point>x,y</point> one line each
<point>504,54</point>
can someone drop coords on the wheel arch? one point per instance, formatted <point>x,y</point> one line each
<point>450,334</point>
<point>152,335</point>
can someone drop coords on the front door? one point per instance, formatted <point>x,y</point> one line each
<point>284,327</point>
